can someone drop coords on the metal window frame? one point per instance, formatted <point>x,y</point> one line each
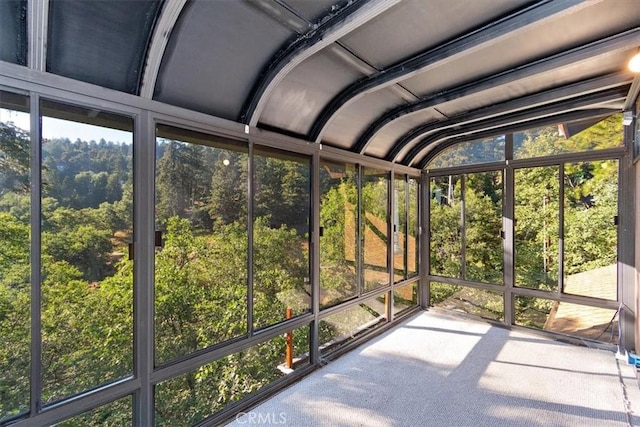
<point>625,245</point>
<point>146,114</point>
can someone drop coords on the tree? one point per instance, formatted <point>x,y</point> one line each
<point>14,159</point>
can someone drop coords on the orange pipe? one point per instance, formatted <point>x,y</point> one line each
<point>289,351</point>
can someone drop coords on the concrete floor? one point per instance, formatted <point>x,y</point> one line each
<point>439,368</point>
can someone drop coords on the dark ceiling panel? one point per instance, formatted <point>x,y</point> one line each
<point>510,106</point>
<point>551,36</point>
<point>298,100</point>
<point>352,122</point>
<point>416,26</point>
<point>382,142</point>
<point>313,10</point>
<point>600,65</point>
<point>103,42</point>
<point>13,31</point>
<point>215,54</point>
<point>422,158</point>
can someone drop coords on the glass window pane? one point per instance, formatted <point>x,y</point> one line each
<point>201,265</point>
<point>583,136</point>
<point>340,328</point>
<point>599,324</point>
<point>590,233</point>
<point>537,227</point>
<point>114,414</point>
<point>338,219</point>
<point>478,302</point>
<point>87,276</point>
<point>405,297</point>
<point>483,224</point>
<point>445,221</point>
<point>413,221</point>
<point>470,153</point>
<point>375,268</point>
<point>15,253</point>
<point>282,217</point>
<point>400,229</point>
<point>190,398</point>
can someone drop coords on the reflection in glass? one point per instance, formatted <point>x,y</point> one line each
<point>15,275</point>
<point>405,297</point>
<point>590,233</point>
<point>339,328</point>
<point>594,323</point>
<point>445,223</point>
<point>536,227</point>
<point>582,137</point>
<point>470,153</point>
<point>282,211</point>
<point>400,229</point>
<point>114,414</point>
<point>478,302</point>
<point>483,224</point>
<point>412,223</point>
<point>375,268</point>
<point>87,277</point>
<point>338,219</point>
<point>201,262</point>
<point>190,398</point>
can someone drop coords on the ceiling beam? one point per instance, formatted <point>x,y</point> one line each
<point>526,102</point>
<point>434,148</point>
<point>624,40</point>
<point>38,19</point>
<point>634,91</point>
<point>332,28</point>
<point>571,104</point>
<point>168,17</point>
<point>474,40</point>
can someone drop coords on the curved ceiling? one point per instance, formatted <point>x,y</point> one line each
<point>391,79</point>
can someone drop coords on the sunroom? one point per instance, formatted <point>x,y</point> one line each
<point>203,201</point>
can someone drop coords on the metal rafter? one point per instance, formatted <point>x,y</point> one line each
<point>168,17</point>
<point>634,90</point>
<point>38,11</point>
<point>472,41</point>
<point>581,53</point>
<point>331,29</point>
<point>540,122</point>
<point>526,102</point>
<point>570,104</point>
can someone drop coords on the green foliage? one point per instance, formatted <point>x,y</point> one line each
<point>228,199</point>
<point>590,205</point>
<point>85,174</point>
<point>337,256</point>
<point>14,159</point>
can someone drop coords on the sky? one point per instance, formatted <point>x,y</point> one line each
<point>56,128</point>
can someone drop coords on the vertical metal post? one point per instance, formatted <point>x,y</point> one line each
<point>406,226</point>
<point>424,237</point>
<point>143,268</point>
<point>627,197</point>
<point>314,338</point>
<point>463,226</point>
<point>359,232</point>
<point>560,258</point>
<point>36,259</point>
<point>508,224</point>
<point>250,216</point>
<point>391,228</point>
